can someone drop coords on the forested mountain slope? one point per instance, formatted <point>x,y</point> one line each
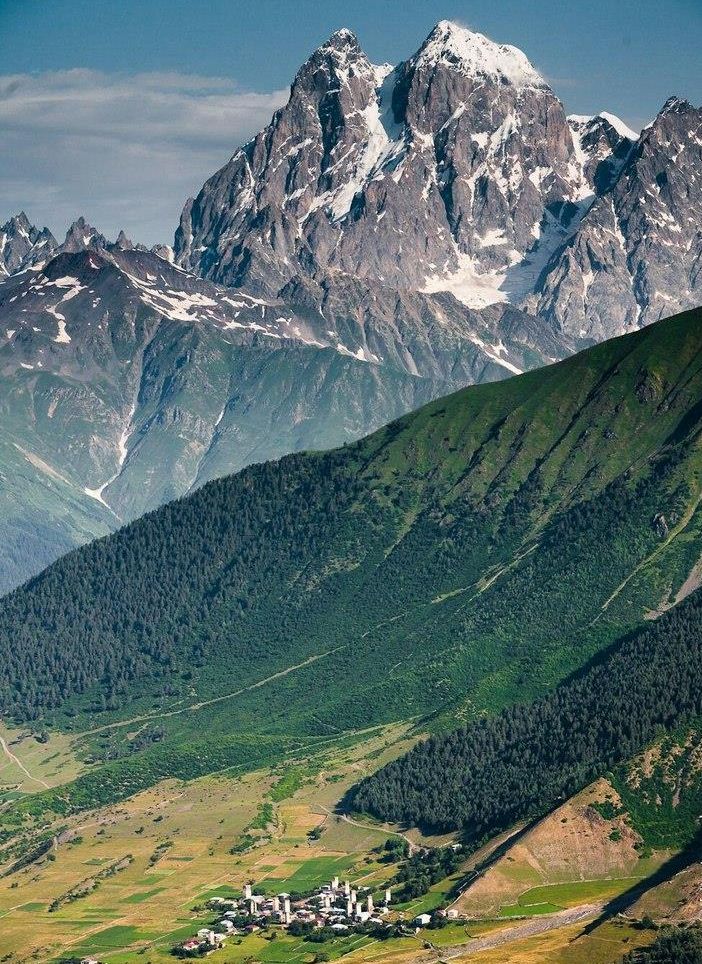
<point>483,777</point>
<point>469,555</point>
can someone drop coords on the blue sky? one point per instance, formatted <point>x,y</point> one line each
<point>118,109</point>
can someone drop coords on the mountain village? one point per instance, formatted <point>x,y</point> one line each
<point>337,908</point>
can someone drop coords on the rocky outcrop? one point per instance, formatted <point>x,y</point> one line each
<point>23,245</point>
<point>457,170</point>
<point>603,143</point>
<point>82,235</point>
<point>637,255</point>
<point>439,174</point>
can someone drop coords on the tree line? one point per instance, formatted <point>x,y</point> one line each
<point>483,777</point>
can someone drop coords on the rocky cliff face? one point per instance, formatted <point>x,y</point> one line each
<point>458,171</point>
<point>438,173</point>
<point>637,255</point>
<point>22,245</point>
<point>603,144</point>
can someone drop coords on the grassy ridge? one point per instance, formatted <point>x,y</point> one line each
<point>467,556</point>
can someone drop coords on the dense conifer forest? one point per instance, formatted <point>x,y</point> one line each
<point>482,778</point>
<point>674,945</point>
<point>137,606</point>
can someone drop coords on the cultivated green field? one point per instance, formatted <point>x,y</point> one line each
<point>178,837</point>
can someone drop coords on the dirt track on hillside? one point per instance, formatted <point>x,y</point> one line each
<point>527,928</point>
<point>18,763</point>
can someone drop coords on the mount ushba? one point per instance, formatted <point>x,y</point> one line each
<point>458,170</point>
<point>393,234</point>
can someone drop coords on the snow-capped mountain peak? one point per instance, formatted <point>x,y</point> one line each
<point>342,39</point>
<point>340,57</point>
<point>619,125</point>
<point>676,105</point>
<point>581,122</point>
<point>456,171</point>
<point>636,255</point>
<point>392,174</point>
<point>23,245</point>
<point>602,144</point>
<point>476,55</point>
<point>19,223</point>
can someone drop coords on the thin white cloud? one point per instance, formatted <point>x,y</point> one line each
<point>125,151</point>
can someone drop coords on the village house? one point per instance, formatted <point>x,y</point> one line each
<point>335,905</point>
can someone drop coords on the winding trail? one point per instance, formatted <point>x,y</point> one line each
<point>193,707</point>
<point>18,763</point>
<point>413,848</point>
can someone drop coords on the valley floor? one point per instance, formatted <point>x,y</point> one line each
<point>125,883</point>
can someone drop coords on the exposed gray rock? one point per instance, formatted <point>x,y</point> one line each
<point>638,252</point>
<point>82,235</point>
<point>422,176</point>
<point>660,525</point>
<point>604,144</point>
<point>458,171</point>
<point>23,245</point>
<point>164,251</point>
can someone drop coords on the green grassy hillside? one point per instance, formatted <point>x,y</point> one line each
<point>483,777</point>
<point>468,556</point>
